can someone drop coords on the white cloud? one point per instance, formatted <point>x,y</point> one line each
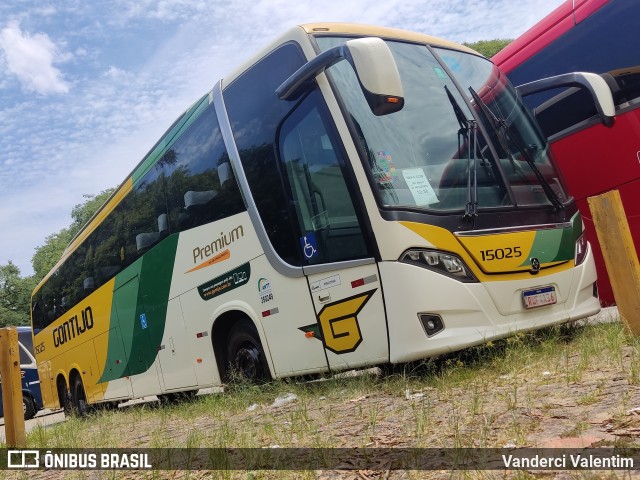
<point>31,59</point>
<point>116,73</point>
<point>162,10</point>
<point>136,66</point>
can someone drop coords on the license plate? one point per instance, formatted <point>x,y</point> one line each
<point>539,297</point>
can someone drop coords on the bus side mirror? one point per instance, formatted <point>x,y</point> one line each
<point>594,83</point>
<point>373,64</point>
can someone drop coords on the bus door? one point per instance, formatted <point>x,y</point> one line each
<point>294,169</point>
<point>343,277</point>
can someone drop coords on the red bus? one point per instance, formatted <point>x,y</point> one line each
<point>599,36</point>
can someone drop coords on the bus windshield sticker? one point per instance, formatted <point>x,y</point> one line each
<point>309,245</point>
<point>422,191</point>
<point>143,321</point>
<point>440,73</point>
<point>225,283</point>
<point>387,171</point>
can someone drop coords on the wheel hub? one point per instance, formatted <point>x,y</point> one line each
<point>248,361</point>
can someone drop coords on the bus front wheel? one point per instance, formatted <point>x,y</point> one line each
<point>245,354</point>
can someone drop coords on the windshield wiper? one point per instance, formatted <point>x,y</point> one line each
<point>504,133</point>
<point>462,118</point>
<point>469,133</point>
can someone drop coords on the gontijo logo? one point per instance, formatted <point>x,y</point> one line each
<point>73,327</point>
<point>338,326</point>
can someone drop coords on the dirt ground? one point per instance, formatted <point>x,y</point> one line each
<point>578,404</point>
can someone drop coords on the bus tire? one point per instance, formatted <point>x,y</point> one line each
<point>28,407</point>
<point>78,398</point>
<point>64,395</point>
<point>245,354</point>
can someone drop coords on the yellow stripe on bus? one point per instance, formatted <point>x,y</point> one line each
<point>485,271</point>
<point>81,335</point>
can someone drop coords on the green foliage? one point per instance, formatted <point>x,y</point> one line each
<point>15,293</point>
<point>83,212</point>
<point>488,48</point>
<point>47,255</point>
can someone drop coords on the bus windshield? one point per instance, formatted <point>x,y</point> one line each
<point>439,152</point>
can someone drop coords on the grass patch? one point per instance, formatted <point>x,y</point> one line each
<point>520,391</point>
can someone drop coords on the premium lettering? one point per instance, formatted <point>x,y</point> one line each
<point>201,253</point>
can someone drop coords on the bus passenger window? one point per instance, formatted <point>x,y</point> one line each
<point>200,185</point>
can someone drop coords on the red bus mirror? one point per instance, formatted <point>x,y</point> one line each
<point>594,83</point>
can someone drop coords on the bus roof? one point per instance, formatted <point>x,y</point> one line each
<point>344,29</point>
<point>382,32</point>
<point>550,28</point>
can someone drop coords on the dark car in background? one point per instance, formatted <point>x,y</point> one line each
<point>31,395</point>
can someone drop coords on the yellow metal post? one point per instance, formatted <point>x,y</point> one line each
<point>619,254</point>
<point>14,430</point>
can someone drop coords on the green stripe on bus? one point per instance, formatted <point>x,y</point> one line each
<point>153,297</point>
<point>123,310</point>
<point>556,245</point>
<point>139,312</point>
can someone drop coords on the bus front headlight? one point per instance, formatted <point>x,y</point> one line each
<point>581,249</point>
<point>442,262</point>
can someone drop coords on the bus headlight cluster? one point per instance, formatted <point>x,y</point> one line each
<point>581,249</point>
<point>441,262</point>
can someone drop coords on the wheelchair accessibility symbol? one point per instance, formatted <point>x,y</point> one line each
<point>309,245</point>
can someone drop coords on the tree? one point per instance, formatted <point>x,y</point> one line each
<point>15,291</point>
<point>488,48</point>
<point>82,213</point>
<point>47,255</point>
<point>15,295</point>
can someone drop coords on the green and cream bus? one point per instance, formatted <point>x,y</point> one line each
<point>350,196</point>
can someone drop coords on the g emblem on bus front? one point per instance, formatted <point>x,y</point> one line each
<point>535,265</point>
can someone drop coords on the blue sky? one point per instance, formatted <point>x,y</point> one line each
<point>86,88</point>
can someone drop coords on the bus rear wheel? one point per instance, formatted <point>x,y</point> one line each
<point>28,407</point>
<point>78,398</point>
<point>245,354</point>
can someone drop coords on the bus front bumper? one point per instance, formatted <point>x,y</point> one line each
<point>474,313</point>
